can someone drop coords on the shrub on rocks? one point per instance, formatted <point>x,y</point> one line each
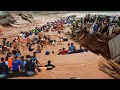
<point>118,22</point>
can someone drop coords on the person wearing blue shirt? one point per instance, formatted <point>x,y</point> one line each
<point>17,53</point>
<point>23,36</point>
<point>30,32</point>
<point>35,60</point>
<point>16,64</point>
<point>72,48</point>
<point>95,28</point>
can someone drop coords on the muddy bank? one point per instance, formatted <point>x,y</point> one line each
<point>94,42</point>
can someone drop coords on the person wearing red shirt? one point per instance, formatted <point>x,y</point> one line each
<point>64,51</point>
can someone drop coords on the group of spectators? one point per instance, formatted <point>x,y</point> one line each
<point>103,24</point>
<point>71,50</point>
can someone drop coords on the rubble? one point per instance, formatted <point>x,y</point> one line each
<point>111,68</point>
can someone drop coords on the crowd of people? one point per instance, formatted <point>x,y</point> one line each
<point>15,62</point>
<point>103,24</point>
<point>18,64</point>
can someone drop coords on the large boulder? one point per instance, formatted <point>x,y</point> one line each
<point>6,18</point>
<point>3,15</point>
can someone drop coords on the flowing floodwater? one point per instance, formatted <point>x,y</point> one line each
<point>78,13</point>
<point>61,12</point>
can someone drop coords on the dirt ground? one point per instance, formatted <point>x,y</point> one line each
<point>81,65</point>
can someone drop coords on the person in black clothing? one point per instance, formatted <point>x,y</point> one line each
<point>3,50</point>
<point>105,29</point>
<point>27,44</point>
<point>9,53</point>
<point>4,41</point>
<point>30,67</point>
<point>10,44</point>
<point>80,50</point>
<point>30,49</point>
<point>59,32</point>
<point>14,51</point>
<point>49,65</point>
<point>22,63</point>
<point>38,49</point>
<point>4,71</point>
<point>53,52</point>
<point>33,43</point>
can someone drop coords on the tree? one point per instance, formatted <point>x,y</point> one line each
<point>118,22</point>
